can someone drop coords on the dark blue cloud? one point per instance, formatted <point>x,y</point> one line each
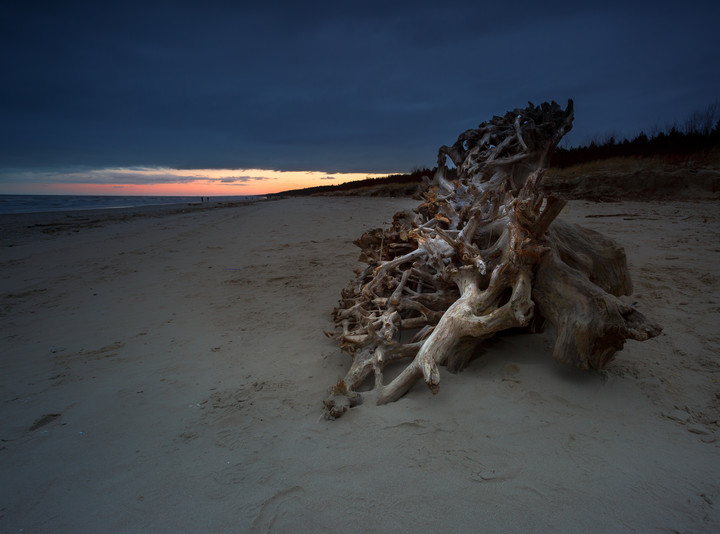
<point>333,86</point>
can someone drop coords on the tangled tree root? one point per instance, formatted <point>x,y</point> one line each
<point>483,253</point>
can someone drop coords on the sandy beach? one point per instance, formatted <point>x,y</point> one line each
<point>165,373</point>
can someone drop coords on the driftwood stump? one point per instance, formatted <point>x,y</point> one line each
<point>483,253</point>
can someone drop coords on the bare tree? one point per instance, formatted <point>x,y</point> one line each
<point>703,122</point>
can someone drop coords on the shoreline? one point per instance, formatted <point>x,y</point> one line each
<point>18,227</point>
<point>42,203</point>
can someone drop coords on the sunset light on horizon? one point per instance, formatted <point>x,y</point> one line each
<point>192,98</point>
<point>152,181</point>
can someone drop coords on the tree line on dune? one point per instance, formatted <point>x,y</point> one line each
<point>413,177</point>
<point>699,133</point>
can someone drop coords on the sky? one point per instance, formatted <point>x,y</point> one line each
<point>228,98</point>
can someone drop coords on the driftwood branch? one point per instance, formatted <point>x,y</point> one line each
<point>481,254</point>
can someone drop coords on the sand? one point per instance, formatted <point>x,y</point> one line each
<point>165,374</point>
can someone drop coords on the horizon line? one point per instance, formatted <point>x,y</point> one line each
<point>168,181</point>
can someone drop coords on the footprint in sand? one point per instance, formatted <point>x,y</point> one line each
<point>44,420</point>
<point>282,506</point>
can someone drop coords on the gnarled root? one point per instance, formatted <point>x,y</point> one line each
<point>591,325</point>
<point>460,321</point>
<point>483,253</point>
<point>341,399</point>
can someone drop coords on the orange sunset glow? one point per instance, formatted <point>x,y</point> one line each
<point>181,182</point>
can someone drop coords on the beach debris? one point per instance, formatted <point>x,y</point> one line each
<point>44,420</point>
<point>483,253</point>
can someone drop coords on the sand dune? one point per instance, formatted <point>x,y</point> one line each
<point>165,374</point>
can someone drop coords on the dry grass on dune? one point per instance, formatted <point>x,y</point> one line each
<point>687,177</point>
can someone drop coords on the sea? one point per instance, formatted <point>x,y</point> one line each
<point>12,204</point>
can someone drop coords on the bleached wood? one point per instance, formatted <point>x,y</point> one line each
<point>483,253</point>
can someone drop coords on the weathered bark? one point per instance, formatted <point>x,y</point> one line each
<point>483,253</point>
<point>591,325</point>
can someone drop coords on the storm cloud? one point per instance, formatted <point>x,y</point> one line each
<point>331,86</point>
